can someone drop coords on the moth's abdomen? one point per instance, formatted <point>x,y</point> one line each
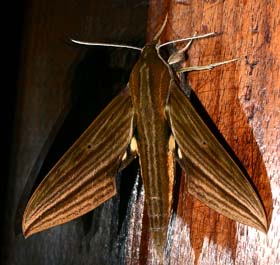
<point>158,221</point>
<point>158,184</point>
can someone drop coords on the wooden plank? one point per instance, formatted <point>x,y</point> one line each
<point>243,101</point>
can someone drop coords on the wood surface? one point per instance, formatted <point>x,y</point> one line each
<point>242,100</point>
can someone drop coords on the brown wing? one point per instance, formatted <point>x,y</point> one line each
<point>214,178</point>
<point>84,177</point>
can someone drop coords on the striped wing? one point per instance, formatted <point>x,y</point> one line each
<point>84,177</point>
<point>214,178</point>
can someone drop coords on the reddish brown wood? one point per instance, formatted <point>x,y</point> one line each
<point>243,101</point>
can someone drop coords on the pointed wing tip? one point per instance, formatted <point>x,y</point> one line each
<point>30,229</point>
<point>264,229</point>
<point>25,234</point>
<point>26,231</point>
<point>26,226</point>
<point>259,219</point>
<point>262,224</point>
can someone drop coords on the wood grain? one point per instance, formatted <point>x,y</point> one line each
<point>243,101</point>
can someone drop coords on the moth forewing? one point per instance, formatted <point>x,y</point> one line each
<point>213,176</point>
<point>84,177</point>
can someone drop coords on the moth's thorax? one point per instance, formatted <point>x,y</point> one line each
<point>149,82</point>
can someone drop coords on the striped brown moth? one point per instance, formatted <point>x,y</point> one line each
<point>153,119</point>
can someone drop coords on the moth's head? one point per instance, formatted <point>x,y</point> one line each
<point>149,49</point>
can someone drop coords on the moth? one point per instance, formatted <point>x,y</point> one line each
<point>153,119</point>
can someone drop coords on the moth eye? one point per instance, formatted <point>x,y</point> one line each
<point>180,153</point>
<point>89,146</point>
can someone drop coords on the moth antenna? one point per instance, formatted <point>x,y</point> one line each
<point>188,44</point>
<point>206,67</point>
<point>157,36</point>
<point>105,44</point>
<point>189,38</point>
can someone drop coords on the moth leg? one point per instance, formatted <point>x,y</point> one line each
<point>179,56</point>
<point>205,67</point>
